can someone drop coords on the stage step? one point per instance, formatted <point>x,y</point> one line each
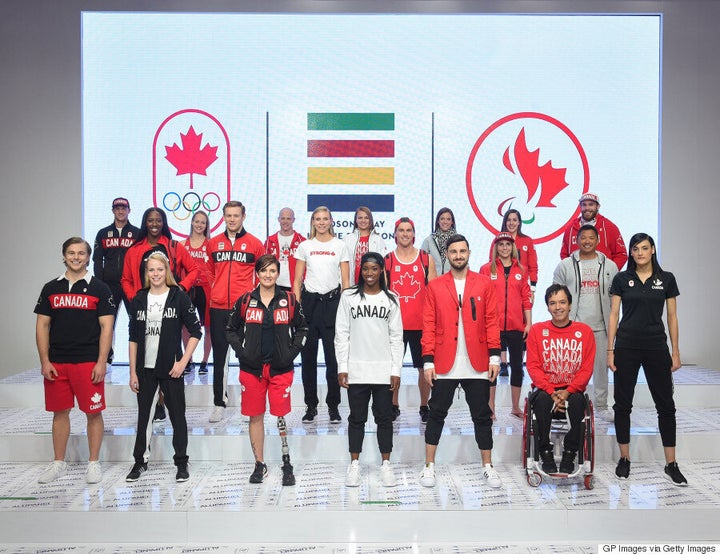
<point>217,505</point>
<point>25,436</point>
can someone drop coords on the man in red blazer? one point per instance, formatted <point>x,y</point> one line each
<point>461,347</point>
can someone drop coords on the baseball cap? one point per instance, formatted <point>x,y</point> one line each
<point>590,196</point>
<point>121,202</point>
<point>504,236</point>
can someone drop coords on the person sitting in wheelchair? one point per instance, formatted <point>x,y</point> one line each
<point>560,357</point>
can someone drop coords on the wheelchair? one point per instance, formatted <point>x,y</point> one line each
<point>558,428</point>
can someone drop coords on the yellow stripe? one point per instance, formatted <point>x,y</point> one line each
<point>351,176</point>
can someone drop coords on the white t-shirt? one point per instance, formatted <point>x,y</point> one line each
<point>153,324</point>
<point>322,263</point>
<point>462,368</point>
<point>284,243</point>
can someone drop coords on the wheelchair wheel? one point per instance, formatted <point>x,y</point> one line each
<point>589,446</point>
<point>534,479</point>
<point>527,433</point>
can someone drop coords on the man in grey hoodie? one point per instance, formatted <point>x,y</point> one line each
<point>588,274</point>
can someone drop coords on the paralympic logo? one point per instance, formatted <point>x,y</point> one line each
<point>191,143</point>
<point>533,163</point>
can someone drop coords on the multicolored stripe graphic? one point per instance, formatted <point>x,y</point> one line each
<point>348,152</point>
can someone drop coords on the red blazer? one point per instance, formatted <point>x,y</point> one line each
<point>513,295</point>
<point>181,263</point>
<point>440,322</point>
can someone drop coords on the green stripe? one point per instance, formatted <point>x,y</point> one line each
<point>382,502</point>
<point>351,121</point>
<point>18,498</point>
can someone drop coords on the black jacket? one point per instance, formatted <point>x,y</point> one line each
<point>109,252</point>
<point>179,311</point>
<point>244,331</point>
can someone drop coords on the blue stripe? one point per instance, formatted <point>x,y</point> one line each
<point>350,202</point>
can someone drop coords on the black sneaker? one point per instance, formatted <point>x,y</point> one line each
<point>160,413</point>
<point>310,414</point>
<point>503,370</point>
<point>203,368</point>
<point>424,413</point>
<point>548,462</point>
<point>395,412</point>
<point>567,464</point>
<point>135,473</point>
<point>259,473</point>
<point>288,478</point>
<point>182,474</point>
<point>334,414</point>
<point>673,474</point>
<point>622,470</point>
<point>189,367</point>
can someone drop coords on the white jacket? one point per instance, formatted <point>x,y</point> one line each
<point>368,337</point>
<point>375,244</point>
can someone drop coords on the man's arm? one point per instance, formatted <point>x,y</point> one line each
<point>42,340</point>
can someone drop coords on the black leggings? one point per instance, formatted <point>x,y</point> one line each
<point>359,398</point>
<point>514,342</point>
<point>657,365</point>
<point>174,391</point>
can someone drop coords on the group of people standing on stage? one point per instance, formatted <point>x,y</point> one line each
<point>272,301</point>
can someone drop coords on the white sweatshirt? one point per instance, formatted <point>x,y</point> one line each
<point>368,337</point>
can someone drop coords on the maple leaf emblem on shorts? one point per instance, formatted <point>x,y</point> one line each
<point>191,159</point>
<point>97,397</point>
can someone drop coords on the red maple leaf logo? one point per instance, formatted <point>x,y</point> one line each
<point>191,158</point>
<point>548,179</point>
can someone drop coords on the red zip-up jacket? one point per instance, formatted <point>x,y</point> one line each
<point>527,254</point>
<point>181,263</point>
<point>272,246</point>
<point>611,242</point>
<point>513,295</point>
<point>232,267</point>
<point>440,322</point>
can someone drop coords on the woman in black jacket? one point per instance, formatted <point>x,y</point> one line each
<point>267,331</point>
<point>158,314</point>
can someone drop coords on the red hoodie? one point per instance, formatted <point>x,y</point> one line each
<point>512,294</point>
<point>611,242</point>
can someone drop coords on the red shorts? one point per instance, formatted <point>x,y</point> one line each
<point>74,381</point>
<point>255,389</point>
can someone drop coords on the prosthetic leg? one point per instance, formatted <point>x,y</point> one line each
<point>288,478</point>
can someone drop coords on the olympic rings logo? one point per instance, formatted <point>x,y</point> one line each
<point>190,204</point>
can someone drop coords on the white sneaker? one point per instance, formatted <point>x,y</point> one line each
<point>491,477</point>
<point>217,414</point>
<point>387,475</point>
<point>608,414</point>
<point>352,479</point>
<point>427,477</point>
<point>93,473</point>
<point>53,471</point>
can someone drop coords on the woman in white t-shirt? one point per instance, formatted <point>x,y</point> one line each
<point>321,273</point>
<point>369,347</point>
<point>362,240</point>
<point>159,312</point>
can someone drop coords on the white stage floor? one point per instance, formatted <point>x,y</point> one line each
<point>217,510</point>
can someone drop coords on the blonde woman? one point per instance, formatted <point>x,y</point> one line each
<point>321,273</point>
<point>159,312</point>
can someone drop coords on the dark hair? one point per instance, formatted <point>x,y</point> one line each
<point>76,240</point>
<point>588,227</point>
<point>553,289</point>
<point>456,238</point>
<point>207,223</point>
<point>503,227</point>
<point>378,259</point>
<point>366,211</point>
<point>234,204</point>
<point>143,225</point>
<point>442,211</point>
<point>266,260</point>
<point>635,239</point>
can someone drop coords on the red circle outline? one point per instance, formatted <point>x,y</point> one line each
<point>488,131</point>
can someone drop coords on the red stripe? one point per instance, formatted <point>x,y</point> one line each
<point>351,149</point>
